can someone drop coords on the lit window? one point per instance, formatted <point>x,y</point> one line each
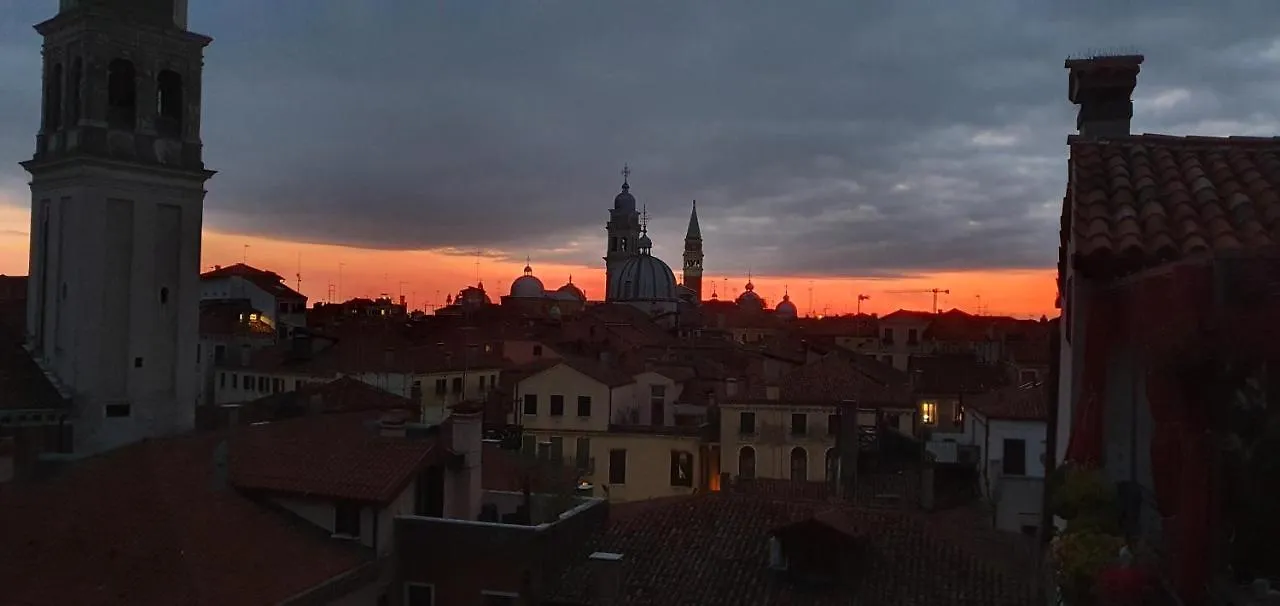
<point>928,413</point>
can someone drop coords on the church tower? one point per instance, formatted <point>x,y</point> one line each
<point>117,200</point>
<point>693,255</point>
<point>624,232</point>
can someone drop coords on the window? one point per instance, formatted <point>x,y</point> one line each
<point>747,423</point>
<point>618,466</point>
<point>798,424</point>
<point>657,404</point>
<point>888,335</point>
<point>747,462</point>
<point>122,95</point>
<point>557,449</point>
<point>169,103</point>
<point>297,384</point>
<point>557,405</point>
<point>799,464</point>
<point>73,99</point>
<point>346,519</point>
<point>235,380</point>
<point>442,387</point>
<point>118,410</point>
<point>833,425</point>
<point>928,413</point>
<point>499,598</point>
<point>582,454</point>
<point>219,354</point>
<point>537,351</point>
<point>584,406</point>
<point>1015,457</point>
<point>528,444</point>
<point>222,379</point>
<point>419,594</point>
<point>913,336</point>
<point>457,385</point>
<point>531,403</point>
<point>137,362</point>
<point>833,465</point>
<point>53,99</point>
<point>681,468</point>
<point>481,382</point>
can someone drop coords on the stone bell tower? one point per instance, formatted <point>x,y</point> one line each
<point>117,201</point>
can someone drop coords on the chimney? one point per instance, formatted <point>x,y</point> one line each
<point>1103,88</point>
<point>392,424</point>
<point>606,575</point>
<point>468,442</point>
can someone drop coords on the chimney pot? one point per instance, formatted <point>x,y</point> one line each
<point>1103,88</point>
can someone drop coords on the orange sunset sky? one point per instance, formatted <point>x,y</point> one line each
<point>425,276</point>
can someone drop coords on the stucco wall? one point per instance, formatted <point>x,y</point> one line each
<point>773,443</point>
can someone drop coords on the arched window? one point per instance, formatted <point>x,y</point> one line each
<point>799,464</point>
<point>53,99</point>
<point>833,465</point>
<point>169,103</point>
<point>747,462</point>
<point>122,94</point>
<point>73,99</point>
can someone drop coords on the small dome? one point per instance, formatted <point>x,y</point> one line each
<point>624,201</point>
<point>643,278</point>
<point>570,291</point>
<point>527,287</point>
<point>786,309</point>
<point>749,298</point>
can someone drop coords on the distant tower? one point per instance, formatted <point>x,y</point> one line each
<point>693,255</point>
<point>117,195</point>
<point>623,229</point>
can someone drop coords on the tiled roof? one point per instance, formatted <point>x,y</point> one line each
<point>341,395</point>
<point>147,524</point>
<point>908,316</point>
<point>1147,199</point>
<point>269,281</point>
<point>334,456</point>
<point>1013,403</point>
<point>947,374</point>
<point>838,378</point>
<point>958,326</point>
<point>596,370</point>
<point>711,550</point>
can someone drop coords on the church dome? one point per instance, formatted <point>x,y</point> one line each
<point>786,309</point>
<point>527,286</point>
<point>749,298</point>
<point>570,291</point>
<point>643,277</point>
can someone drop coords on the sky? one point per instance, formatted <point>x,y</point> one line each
<point>835,148</point>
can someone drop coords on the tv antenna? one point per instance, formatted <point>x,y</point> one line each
<point>299,274</point>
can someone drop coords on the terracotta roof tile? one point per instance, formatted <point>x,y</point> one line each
<point>954,374</point>
<point>711,549</point>
<point>147,524</point>
<point>838,378</point>
<point>335,456</point>
<point>1148,199</point>
<point>1013,403</point>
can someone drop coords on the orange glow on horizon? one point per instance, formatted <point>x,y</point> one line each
<point>426,277</point>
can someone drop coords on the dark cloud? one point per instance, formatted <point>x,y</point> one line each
<point>851,138</point>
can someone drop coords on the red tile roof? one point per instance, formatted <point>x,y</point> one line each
<point>269,281</point>
<point>838,378</point>
<point>333,456</point>
<point>1013,403</point>
<point>1143,200</point>
<point>146,524</point>
<point>341,395</point>
<point>951,374</point>
<point>711,550</point>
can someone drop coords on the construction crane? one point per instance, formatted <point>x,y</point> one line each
<point>934,291</point>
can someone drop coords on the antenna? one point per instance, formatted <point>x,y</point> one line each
<point>810,298</point>
<point>244,257</point>
<point>299,274</point>
<point>477,267</point>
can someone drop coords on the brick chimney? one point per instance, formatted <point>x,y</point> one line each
<point>1103,88</point>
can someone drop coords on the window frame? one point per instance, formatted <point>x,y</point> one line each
<point>584,400</point>
<point>745,431</point>
<point>553,409</point>
<point>525,408</point>
<point>612,453</point>
<point>801,429</point>
<point>1005,460</point>
<point>929,412</point>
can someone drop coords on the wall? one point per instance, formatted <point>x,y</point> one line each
<point>524,352</point>
<point>234,389</point>
<point>435,405</point>
<point>638,396</point>
<point>773,442</point>
<point>564,380</point>
<point>1018,500</point>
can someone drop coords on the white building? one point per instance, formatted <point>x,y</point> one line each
<point>283,308</point>
<point>1008,427</point>
<point>117,200</point>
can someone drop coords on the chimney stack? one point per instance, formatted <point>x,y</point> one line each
<point>468,440</point>
<point>1103,88</point>
<point>606,573</point>
<point>392,424</point>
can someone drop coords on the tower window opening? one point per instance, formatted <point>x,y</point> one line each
<point>73,99</point>
<point>53,99</point>
<point>122,94</point>
<point>169,103</point>
<point>164,295</point>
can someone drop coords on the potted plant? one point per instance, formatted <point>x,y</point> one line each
<point>1091,542</point>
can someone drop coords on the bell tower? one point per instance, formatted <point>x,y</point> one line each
<point>693,254</point>
<point>117,201</point>
<point>623,231</point>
